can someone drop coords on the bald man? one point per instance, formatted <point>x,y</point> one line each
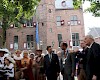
<point>93,59</point>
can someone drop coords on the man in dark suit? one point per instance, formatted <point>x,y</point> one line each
<point>51,64</point>
<point>93,59</point>
<point>68,63</point>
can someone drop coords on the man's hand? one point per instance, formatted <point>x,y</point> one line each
<point>94,77</point>
<point>72,74</point>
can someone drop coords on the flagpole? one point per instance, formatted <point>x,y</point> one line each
<point>37,36</point>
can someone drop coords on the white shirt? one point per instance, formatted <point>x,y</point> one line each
<point>10,73</point>
<point>90,45</point>
<point>1,62</point>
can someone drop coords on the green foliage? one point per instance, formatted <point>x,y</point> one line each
<point>95,9</point>
<point>94,6</point>
<point>77,3</point>
<point>16,12</point>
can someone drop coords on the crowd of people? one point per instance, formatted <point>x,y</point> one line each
<point>85,63</point>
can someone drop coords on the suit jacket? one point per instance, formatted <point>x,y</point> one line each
<point>70,65</point>
<point>51,67</point>
<point>93,60</point>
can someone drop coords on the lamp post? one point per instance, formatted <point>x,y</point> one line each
<point>41,43</point>
<point>71,42</point>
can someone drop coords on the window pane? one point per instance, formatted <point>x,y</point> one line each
<point>59,37</point>
<point>75,23</point>
<point>73,35</point>
<point>77,43</point>
<point>15,39</point>
<point>59,43</point>
<point>0,24</point>
<point>74,17</point>
<point>58,23</point>
<point>77,36</point>
<point>28,45</point>
<point>31,22</point>
<point>32,45</point>
<point>58,18</point>
<point>73,43</point>
<point>29,38</point>
<point>15,45</point>
<point>28,23</point>
<point>72,22</point>
<point>50,29</point>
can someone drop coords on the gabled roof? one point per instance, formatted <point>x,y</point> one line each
<point>95,32</point>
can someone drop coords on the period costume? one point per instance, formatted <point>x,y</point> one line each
<point>5,51</point>
<point>9,68</point>
<point>39,68</point>
<point>26,66</point>
<point>39,60</point>
<point>28,75</point>
<point>17,67</point>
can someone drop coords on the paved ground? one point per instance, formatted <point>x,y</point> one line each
<point>61,78</point>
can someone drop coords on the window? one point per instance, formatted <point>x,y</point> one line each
<point>74,20</point>
<point>29,23</point>
<point>53,43</point>
<point>15,42</point>
<point>49,10</point>
<point>0,24</point>
<point>58,19</point>
<point>75,39</point>
<point>59,38</point>
<point>50,30</point>
<point>42,24</point>
<point>30,43</point>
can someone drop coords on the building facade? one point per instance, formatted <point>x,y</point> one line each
<point>59,21</point>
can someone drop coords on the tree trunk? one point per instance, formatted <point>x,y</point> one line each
<point>4,38</point>
<point>4,28</point>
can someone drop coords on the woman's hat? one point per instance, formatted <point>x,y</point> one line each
<point>4,50</point>
<point>10,58</point>
<point>39,50</point>
<point>18,51</point>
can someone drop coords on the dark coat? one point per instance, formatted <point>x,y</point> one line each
<point>51,67</point>
<point>69,66</point>
<point>93,61</point>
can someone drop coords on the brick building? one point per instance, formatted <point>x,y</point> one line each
<point>58,22</point>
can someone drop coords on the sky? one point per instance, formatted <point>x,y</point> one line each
<point>89,20</point>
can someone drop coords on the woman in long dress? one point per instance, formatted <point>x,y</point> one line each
<point>32,56</point>
<point>39,66</point>
<point>17,58</point>
<point>26,66</point>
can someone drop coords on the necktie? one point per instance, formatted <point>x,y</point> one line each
<point>65,54</point>
<point>50,57</point>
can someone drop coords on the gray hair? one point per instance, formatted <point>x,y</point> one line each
<point>90,36</point>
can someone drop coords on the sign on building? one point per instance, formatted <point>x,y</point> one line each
<point>64,4</point>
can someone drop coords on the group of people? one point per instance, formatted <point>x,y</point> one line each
<point>69,63</point>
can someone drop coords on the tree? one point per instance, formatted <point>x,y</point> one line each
<point>15,12</point>
<point>94,6</point>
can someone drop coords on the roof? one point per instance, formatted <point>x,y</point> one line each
<point>95,32</point>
